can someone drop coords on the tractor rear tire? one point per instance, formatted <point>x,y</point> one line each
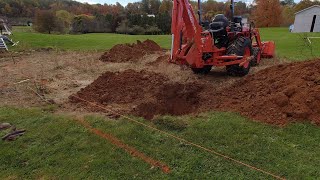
<point>241,47</point>
<point>204,70</point>
<point>257,56</point>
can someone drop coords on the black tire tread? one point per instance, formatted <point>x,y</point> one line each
<point>255,51</point>
<point>237,47</point>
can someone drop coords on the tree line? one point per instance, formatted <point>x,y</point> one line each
<point>275,13</point>
<point>144,17</point>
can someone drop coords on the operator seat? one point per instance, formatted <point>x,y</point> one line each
<point>238,23</point>
<point>218,28</point>
<point>219,21</point>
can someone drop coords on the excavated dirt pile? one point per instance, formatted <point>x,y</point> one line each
<point>277,95</point>
<point>130,52</point>
<point>125,87</point>
<point>143,93</point>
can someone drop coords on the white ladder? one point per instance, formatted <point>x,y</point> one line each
<point>6,31</point>
<point>3,44</point>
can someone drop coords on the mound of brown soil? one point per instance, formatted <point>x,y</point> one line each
<point>125,87</point>
<point>149,45</point>
<point>146,93</point>
<point>277,95</point>
<point>130,52</point>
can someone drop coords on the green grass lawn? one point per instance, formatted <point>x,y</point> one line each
<point>57,147</point>
<point>95,41</point>
<point>291,46</point>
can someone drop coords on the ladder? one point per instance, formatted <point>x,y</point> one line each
<point>3,45</point>
<point>7,30</point>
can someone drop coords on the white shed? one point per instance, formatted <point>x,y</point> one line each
<point>307,20</point>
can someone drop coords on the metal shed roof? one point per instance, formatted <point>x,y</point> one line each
<point>307,9</point>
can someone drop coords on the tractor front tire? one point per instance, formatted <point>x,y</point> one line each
<point>257,56</point>
<point>204,70</point>
<point>241,47</point>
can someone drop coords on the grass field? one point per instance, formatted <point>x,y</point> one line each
<point>95,41</point>
<point>58,147</point>
<point>291,46</point>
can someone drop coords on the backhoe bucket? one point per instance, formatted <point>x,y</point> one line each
<point>268,49</point>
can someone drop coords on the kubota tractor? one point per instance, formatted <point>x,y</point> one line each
<point>202,45</point>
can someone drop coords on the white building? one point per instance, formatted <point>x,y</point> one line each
<point>307,20</point>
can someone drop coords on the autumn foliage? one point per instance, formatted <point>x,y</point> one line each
<point>140,17</point>
<point>267,13</point>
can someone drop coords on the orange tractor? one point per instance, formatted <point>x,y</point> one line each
<point>202,45</point>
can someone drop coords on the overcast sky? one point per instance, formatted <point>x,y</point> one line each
<point>125,2</point>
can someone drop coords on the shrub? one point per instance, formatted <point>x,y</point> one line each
<point>64,20</point>
<point>91,24</point>
<point>123,27</point>
<point>137,30</point>
<point>83,24</point>
<point>153,30</point>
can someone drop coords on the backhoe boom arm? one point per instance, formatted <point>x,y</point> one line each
<point>185,27</point>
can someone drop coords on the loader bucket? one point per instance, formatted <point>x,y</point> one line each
<point>268,49</point>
